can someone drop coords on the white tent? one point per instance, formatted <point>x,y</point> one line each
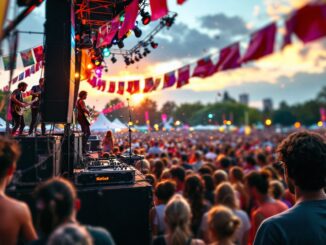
<point>118,124</point>
<point>2,125</point>
<point>102,124</point>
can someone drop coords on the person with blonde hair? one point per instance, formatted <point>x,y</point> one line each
<point>108,142</point>
<point>223,225</point>
<point>225,195</point>
<point>177,219</point>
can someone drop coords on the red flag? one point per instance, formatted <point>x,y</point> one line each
<point>156,84</point>
<point>130,87</point>
<point>103,31</point>
<point>204,68</point>
<point>131,13</point>
<point>149,84</point>
<point>261,43</point>
<point>229,58</point>
<point>37,66</point>
<point>14,80</point>
<point>27,72</point>
<point>181,2</point>
<point>109,33</point>
<point>169,79</point>
<point>38,53</point>
<point>159,8</point>
<point>183,76</point>
<point>111,87</point>
<point>101,85</point>
<point>136,88</point>
<point>121,88</point>
<point>92,81</point>
<point>308,23</point>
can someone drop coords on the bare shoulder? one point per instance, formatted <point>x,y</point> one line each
<point>19,207</point>
<point>197,242</point>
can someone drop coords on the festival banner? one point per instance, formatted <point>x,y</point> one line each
<point>183,76</point>
<point>131,13</point>
<point>322,112</point>
<point>229,58</point>
<point>14,80</point>
<point>156,84</point>
<point>204,68</point>
<point>32,69</point>
<point>121,88</point>
<point>133,87</point>
<point>308,23</point>
<point>37,66</point>
<point>6,63</point>
<point>169,79</point>
<point>149,84</point>
<point>159,8</point>
<point>27,73</point>
<point>181,1</point>
<point>112,29</point>
<point>38,53</point>
<point>261,43</point>
<point>101,85</point>
<point>21,76</point>
<point>103,31</point>
<point>130,87</point>
<point>111,87</point>
<point>27,58</point>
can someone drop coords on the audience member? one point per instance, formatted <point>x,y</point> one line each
<point>16,220</point>
<point>220,176</point>
<point>304,157</point>
<point>70,234</point>
<point>178,174</point>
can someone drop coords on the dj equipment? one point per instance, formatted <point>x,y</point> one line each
<point>131,159</point>
<point>59,74</point>
<point>39,161</point>
<point>105,172</point>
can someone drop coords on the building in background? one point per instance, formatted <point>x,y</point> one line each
<point>244,99</point>
<point>267,105</point>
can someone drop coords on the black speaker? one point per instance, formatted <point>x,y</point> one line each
<point>40,159</point>
<point>123,210</point>
<point>59,74</point>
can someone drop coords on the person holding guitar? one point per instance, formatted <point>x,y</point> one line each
<point>36,92</point>
<point>82,116</point>
<point>17,103</point>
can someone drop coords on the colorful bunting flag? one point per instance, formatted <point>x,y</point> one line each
<point>156,84</point>
<point>27,57</point>
<point>121,88</point>
<point>136,87</point>
<point>183,76</point>
<point>159,9</point>
<point>149,84</point>
<point>109,32</point>
<point>111,87</point>
<point>14,80</point>
<point>133,87</point>
<point>38,53</point>
<point>308,23</point>
<point>37,66</point>
<point>27,73</point>
<point>131,13</point>
<point>204,68</point>
<point>21,76</point>
<point>33,69</point>
<point>6,63</point>
<point>181,1</point>
<point>261,43</point>
<point>169,79</point>
<point>229,58</point>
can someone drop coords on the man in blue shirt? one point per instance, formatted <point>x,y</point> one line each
<point>303,155</point>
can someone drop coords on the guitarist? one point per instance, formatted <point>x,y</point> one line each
<point>37,92</point>
<point>16,100</point>
<point>81,117</point>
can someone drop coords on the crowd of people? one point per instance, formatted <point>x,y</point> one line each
<point>208,188</point>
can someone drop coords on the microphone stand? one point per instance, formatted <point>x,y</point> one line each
<point>129,130</point>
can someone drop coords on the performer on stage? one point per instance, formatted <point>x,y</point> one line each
<point>82,119</point>
<point>37,92</point>
<point>17,104</point>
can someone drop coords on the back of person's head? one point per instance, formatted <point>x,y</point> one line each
<point>204,170</point>
<point>194,187</point>
<point>277,189</point>
<point>166,174</point>
<point>178,173</point>
<point>225,162</point>
<point>151,179</point>
<point>143,166</point>
<point>70,234</point>
<point>304,157</point>
<point>258,180</point>
<point>165,190</point>
<point>9,155</point>
<point>225,195</point>
<point>178,218</point>
<point>222,223</point>
<point>22,84</point>
<point>261,158</point>
<point>184,157</point>
<point>209,182</point>
<point>251,161</point>
<point>220,176</point>
<point>158,168</point>
<point>55,201</point>
<point>236,174</point>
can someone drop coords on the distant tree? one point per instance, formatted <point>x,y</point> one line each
<point>146,106</point>
<point>186,112</point>
<point>321,96</point>
<point>227,97</point>
<point>169,108</point>
<point>122,113</point>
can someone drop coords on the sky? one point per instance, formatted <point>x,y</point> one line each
<point>202,27</point>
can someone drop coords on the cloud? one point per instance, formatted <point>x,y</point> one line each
<point>224,24</point>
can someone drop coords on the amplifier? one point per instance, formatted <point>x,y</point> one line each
<point>102,175</point>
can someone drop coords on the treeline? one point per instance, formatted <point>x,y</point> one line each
<point>228,109</point>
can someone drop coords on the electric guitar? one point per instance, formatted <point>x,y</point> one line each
<point>90,117</point>
<point>21,109</point>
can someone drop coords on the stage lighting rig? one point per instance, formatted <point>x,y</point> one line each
<point>120,44</point>
<point>145,17</point>
<point>154,45</point>
<point>113,59</point>
<point>137,32</point>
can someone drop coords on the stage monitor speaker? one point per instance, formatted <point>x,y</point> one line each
<point>59,86</point>
<point>123,210</point>
<point>39,161</point>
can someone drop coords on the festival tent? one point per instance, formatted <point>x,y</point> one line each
<point>102,124</point>
<point>118,124</point>
<point>2,125</point>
